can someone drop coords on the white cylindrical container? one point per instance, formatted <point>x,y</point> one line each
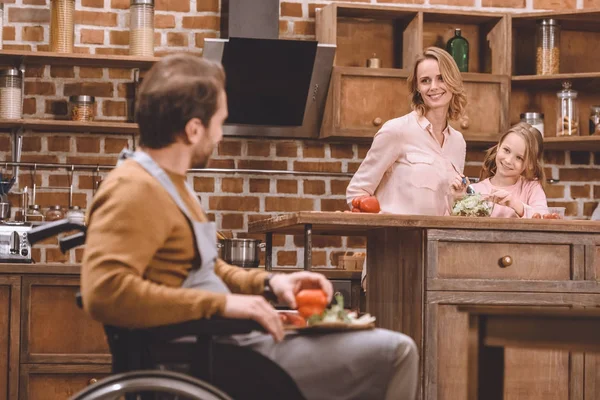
<point>11,95</point>
<point>534,119</point>
<point>141,28</point>
<point>1,23</point>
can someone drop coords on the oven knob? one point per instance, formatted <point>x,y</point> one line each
<point>24,252</point>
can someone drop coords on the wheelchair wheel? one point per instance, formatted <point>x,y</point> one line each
<point>151,385</point>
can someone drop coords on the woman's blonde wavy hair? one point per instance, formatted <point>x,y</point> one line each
<point>452,79</point>
<point>534,154</point>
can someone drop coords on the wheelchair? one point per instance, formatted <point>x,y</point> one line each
<point>181,361</point>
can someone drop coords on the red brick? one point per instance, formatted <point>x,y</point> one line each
<point>204,184</point>
<point>356,241</point>
<point>314,187</point>
<point>317,166</point>
<point>34,71</point>
<point>232,185</point>
<point>236,203</point>
<point>578,192</point>
<point>177,39</point>
<point>259,185</point>
<point>113,145</point>
<point>47,199</point>
<point>260,149</point>
<point>555,191</point>
<point>287,258</point>
<point>319,259</point>
<point>90,72</point>
<point>26,179</point>
<point>29,106</point>
<point>61,72</point>
<point>464,3</point>
<point>56,107</point>
<point>313,150</point>
<point>98,89</point>
<point>87,144</point>
<point>579,174</point>
<point>287,186</point>
<point>262,164</point>
<point>58,180</point>
<point>291,9</point>
<point>555,4</point>
<point>225,164</point>
<point>333,205</point>
<point>120,4</point>
<point>32,143</point>
<point>304,28</point>
<point>199,38</point>
<point>503,3</point>
<point>591,3</point>
<point>32,2</point>
<point>286,149</point>
<point>341,150</point>
<point>353,167</point>
<point>207,5</point>
<point>162,21</point>
<point>59,143</point>
<point>172,5</point>
<point>120,73</point>
<point>9,33</point>
<point>28,14</point>
<point>232,221</point>
<point>111,108</point>
<point>119,38</point>
<point>288,204</point>
<point>40,88</point>
<point>95,160</point>
<point>230,148</point>
<point>204,22</point>
<point>339,187</point>
<point>589,207</point>
<point>93,3</point>
<point>32,33</point>
<point>283,28</point>
<point>320,241</point>
<point>54,255</point>
<point>95,18</point>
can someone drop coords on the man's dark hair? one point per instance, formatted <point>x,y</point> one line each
<point>176,89</point>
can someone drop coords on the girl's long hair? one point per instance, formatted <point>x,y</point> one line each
<point>534,154</point>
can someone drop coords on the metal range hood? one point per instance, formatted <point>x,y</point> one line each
<point>275,88</point>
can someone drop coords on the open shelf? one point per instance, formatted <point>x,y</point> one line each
<point>51,125</point>
<point>17,57</point>
<point>582,81</point>
<point>577,143</point>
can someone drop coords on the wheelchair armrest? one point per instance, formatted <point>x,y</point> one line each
<point>203,327</point>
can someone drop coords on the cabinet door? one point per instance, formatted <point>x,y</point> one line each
<point>361,100</point>
<point>529,373</point>
<point>54,329</point>
<point>10,287</point>
<point>58,382</point>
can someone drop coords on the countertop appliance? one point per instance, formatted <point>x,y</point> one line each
<point>14,246</point>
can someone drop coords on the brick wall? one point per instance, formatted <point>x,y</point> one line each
<point>233,200</point>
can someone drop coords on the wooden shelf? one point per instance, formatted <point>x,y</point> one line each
<point>17,57</point>
<point>479,141</point>
<point>577,143</point>
<point>51,125</point>
<point>583,81</point>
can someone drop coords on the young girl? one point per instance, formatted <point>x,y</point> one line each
<point>513,175</point>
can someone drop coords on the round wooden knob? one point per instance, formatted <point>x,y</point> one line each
<point>377,121</point>
<point>464,123</point>
<point>92,381</point>
<point>506,261</point>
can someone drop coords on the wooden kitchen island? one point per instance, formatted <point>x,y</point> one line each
<point>421,268</point>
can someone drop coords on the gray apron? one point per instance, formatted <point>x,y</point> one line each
<point>201,276</point>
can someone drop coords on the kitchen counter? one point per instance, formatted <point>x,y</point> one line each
<point>421,268</point>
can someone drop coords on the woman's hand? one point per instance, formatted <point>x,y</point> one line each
<point>506,198</point>
<point>458,187</point>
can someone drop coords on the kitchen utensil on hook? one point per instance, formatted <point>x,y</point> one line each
<point>70,176</point>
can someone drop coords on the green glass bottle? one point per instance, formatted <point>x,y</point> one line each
<point>458,47</point>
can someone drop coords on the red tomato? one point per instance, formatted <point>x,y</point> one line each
<point>537,216</point>
<point>292,319</point>
<point>555,216</point>
<point>370,205</point>
<point>548,216</point>
<point>311,302</point>
<point>354,209</point>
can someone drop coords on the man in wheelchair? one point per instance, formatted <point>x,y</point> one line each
<point>151,256</point>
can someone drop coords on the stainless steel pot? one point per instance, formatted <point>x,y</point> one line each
<point>241,252</point>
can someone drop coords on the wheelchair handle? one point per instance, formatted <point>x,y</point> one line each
<point>53,228</point>
<point>71,241</point>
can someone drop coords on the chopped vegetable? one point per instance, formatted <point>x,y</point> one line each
<point>472,206</point>
<point>337,314</point>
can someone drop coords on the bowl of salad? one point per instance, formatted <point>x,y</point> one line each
<point>470,205</point>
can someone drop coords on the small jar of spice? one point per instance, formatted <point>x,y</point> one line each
<point>594,120</point>
<point>54,213</point>
<point>82,108</point>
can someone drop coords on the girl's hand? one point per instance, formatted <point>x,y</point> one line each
<point>505,198</point>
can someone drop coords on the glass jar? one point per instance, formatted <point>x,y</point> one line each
<point>534,119</point>
<point>11,93</point>
<point>61,26</point>
<point>1,22</point>
<point>594,120</point>
<point>82,108</point>
<point>76,214</point>
<point>141,28</point>
<point>548,47</point>
<point>54,213</point>
<point>34,214</point>
<point>458,47</point>
<point>567,113</point>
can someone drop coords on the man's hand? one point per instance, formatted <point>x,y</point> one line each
<point>285,286</point>
<point>241,306</point>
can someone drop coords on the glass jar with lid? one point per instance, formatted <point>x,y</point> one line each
<point>594,120</point>
<point>548,47</point>
<point>11,93</point>
<point>141,28</point>
<point>567,111</point>
<point>82,108</point>
<point>76,214</point>
<point>534,119</point>
<point>62,25</point>
<point>54,213</point>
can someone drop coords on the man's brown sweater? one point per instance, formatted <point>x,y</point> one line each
<point>139,250</point>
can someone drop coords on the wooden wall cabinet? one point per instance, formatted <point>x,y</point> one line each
<point>10,299</point>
